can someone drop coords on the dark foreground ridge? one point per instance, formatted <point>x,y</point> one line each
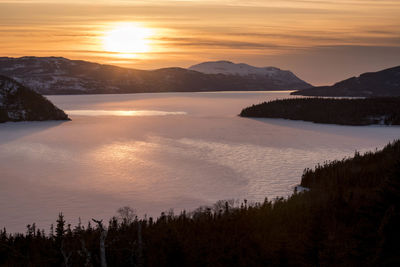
<point>349,217</point>
<point>19,103</point>
<point>381,83</point>
<point>328,110</point>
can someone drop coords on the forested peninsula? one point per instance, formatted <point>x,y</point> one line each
<point>343,111</point>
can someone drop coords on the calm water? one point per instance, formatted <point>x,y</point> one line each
<point>154,152</point>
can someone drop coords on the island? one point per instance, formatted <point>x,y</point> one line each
<point>19,103</point>
<point>342,111</point>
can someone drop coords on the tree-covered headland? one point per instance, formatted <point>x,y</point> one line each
<point>344,111</point>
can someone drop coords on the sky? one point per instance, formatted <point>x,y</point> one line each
<point>321,41</point>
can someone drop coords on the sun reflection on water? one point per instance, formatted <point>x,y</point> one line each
<point>127,113</point>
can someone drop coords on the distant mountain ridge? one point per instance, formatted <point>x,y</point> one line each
<point>381,83</point>
<point>242,69</point>
<point>57,75</point>
<point>18,103</point>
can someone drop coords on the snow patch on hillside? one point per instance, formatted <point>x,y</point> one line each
<point>227,67</point>
<point>242,69</point>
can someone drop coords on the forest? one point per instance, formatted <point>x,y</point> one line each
<point>348,217</point>
<point>361,111</point>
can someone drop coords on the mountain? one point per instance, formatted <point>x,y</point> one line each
<point>57,75</point>
<point>381,83</point>
<point>19,103</point>
<point>280,78</point>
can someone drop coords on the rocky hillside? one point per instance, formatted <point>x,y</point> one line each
<point>381,83</point>
<point>19,103</point>
<point>55,75</point>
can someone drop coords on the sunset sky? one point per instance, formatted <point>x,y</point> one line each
<point>322,41</point>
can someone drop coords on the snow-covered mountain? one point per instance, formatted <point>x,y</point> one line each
<point>242,69</point>
<point>57,75</point>
<point>18,103</point>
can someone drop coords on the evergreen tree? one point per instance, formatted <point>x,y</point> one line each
<point>60,230</point>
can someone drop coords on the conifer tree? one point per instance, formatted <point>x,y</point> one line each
<point>60,231</point>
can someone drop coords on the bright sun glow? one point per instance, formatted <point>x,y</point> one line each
<point>127,39</point>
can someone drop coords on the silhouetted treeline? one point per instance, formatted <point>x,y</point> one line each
<point>350,217</point>
<point>384,110</point>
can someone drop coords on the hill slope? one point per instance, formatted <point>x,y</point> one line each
<point>381,83</point>
<point>18,103</point>
<point>51,75</point>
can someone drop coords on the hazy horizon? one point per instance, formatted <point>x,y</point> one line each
<point>322,42</point>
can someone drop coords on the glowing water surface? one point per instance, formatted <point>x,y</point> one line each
<point>154,152</point>
<point>122,112</point>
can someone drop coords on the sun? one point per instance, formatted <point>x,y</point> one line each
<point>127,39</point>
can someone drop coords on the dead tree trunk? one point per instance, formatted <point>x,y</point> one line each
<point>87,253</point>
<point>103,236</point>
<point>64,254</point>
<point>140,262</point>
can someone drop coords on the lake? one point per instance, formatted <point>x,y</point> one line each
<point>156,152</point>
